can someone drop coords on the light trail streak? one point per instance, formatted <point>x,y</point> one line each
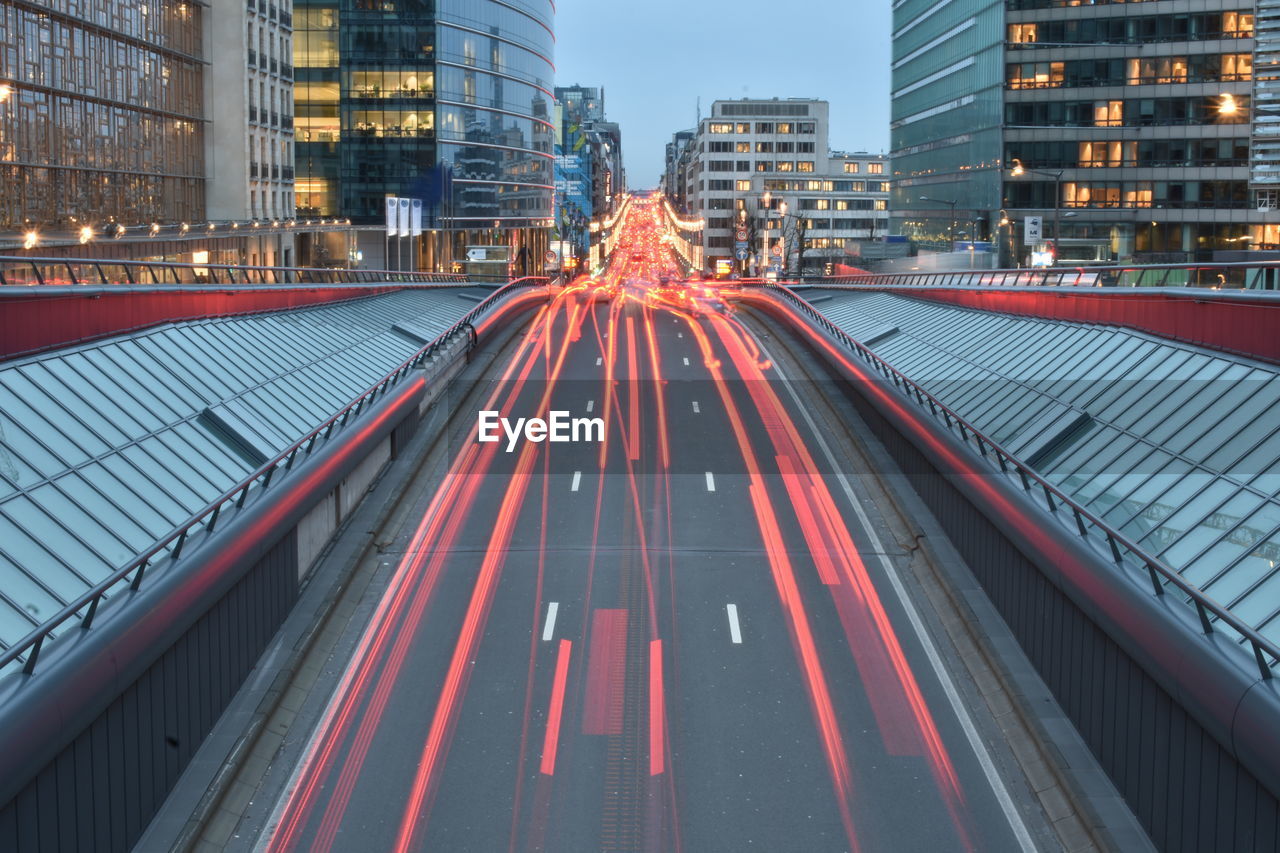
<point>622,306</point>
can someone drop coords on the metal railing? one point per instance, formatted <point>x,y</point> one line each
<point>1088,526</point>
<point>17,271</point>
<point>1226,276</point>
<point>85,607</point>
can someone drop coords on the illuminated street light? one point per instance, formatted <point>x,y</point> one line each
<point>1227,105</point>
<point>1018,170</point>
<point>30,239</point>
<point>86,234</point>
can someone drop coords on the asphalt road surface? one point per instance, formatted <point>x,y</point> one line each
<point>681,637</point>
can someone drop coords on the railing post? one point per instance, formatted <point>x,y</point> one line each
<point>30,665</point>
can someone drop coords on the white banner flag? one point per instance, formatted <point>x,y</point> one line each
<point>403,225</point>
<point>393,207</point>
<point>415,218</point>
<point>1032,230</point>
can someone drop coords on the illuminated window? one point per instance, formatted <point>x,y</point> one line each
<point>1237,66</point>
<point>1237,24</point>
<point>742,147</point>
<point>744,127</point>
<point>786,166</point>
<point>1108,113</point>
<point>805,166</point>
<point>882,204</point>
<point>716,127</point>
<point>875,168</point>
<point>1022,33</point>
<point>786,127</point>
<point>743,186</point>
<point>851,168</point>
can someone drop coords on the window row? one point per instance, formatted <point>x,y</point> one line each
<point>1142,29</point>
<point>1117,153</point>
<point>826,186</point>
<point>1134,112</point>
<point>759,147</point>
<point>1073,73</point>
<point>761,166</point>
<point>744,127</point>
<point>1129,194</point>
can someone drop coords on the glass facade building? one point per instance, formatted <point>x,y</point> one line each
<point>945,131</point>
<point>101,113</point>
<point>1131,121</point>
<point>449,101</point>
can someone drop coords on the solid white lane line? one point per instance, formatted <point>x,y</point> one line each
<point>591,406</point>
<point>697,410</point>
<point>577,481</point>
<point>913,616</point>
<point>711,482</point>
<point>549,629</point>
<point>735,630</point>
<point>686,362</point>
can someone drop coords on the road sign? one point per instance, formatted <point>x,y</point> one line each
<point>1032,230</point>
<point>742,254</point>
<point>552,256</point>
<point>474,255</point>
<point>742,235</point>
<point>777,251</point>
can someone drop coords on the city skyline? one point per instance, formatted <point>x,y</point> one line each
<point>809,59</point>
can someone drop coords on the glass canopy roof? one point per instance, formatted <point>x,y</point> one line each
<point>1176,447</point>
<point>106,448</point>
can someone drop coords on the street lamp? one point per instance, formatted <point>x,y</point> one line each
<point>951,228</point>
<point>1018,170</point>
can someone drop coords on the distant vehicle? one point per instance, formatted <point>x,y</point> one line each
<point>664,280</point>
<point>637,257</point>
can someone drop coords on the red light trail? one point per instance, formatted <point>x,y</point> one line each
<point>606,697</point>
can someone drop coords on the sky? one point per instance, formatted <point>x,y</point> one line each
<point>654,59</point>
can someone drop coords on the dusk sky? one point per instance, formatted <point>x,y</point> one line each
<point>654,59</point>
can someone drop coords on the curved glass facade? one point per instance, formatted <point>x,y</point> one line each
<point>493,119</point>
<point>449,101</point>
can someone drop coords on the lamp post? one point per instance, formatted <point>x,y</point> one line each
<point>765,201</point>
<point>1018,170</point>
<point>951,228</point>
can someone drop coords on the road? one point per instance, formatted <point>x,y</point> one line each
<point>682,637</point>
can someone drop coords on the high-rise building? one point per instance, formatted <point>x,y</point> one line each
<point>672,185</point>
<point>764,168</point>
<point>447,101</point>
<point>249,88</point>
<point>1123,127</point>
<point>150,130</point>
<point>101,117</point>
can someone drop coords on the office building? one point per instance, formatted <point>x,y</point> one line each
<point>589,173</point>
<point>449,102</point>
<point>1131,123</point>
<point>764,167</point>
<point>156,131</point>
